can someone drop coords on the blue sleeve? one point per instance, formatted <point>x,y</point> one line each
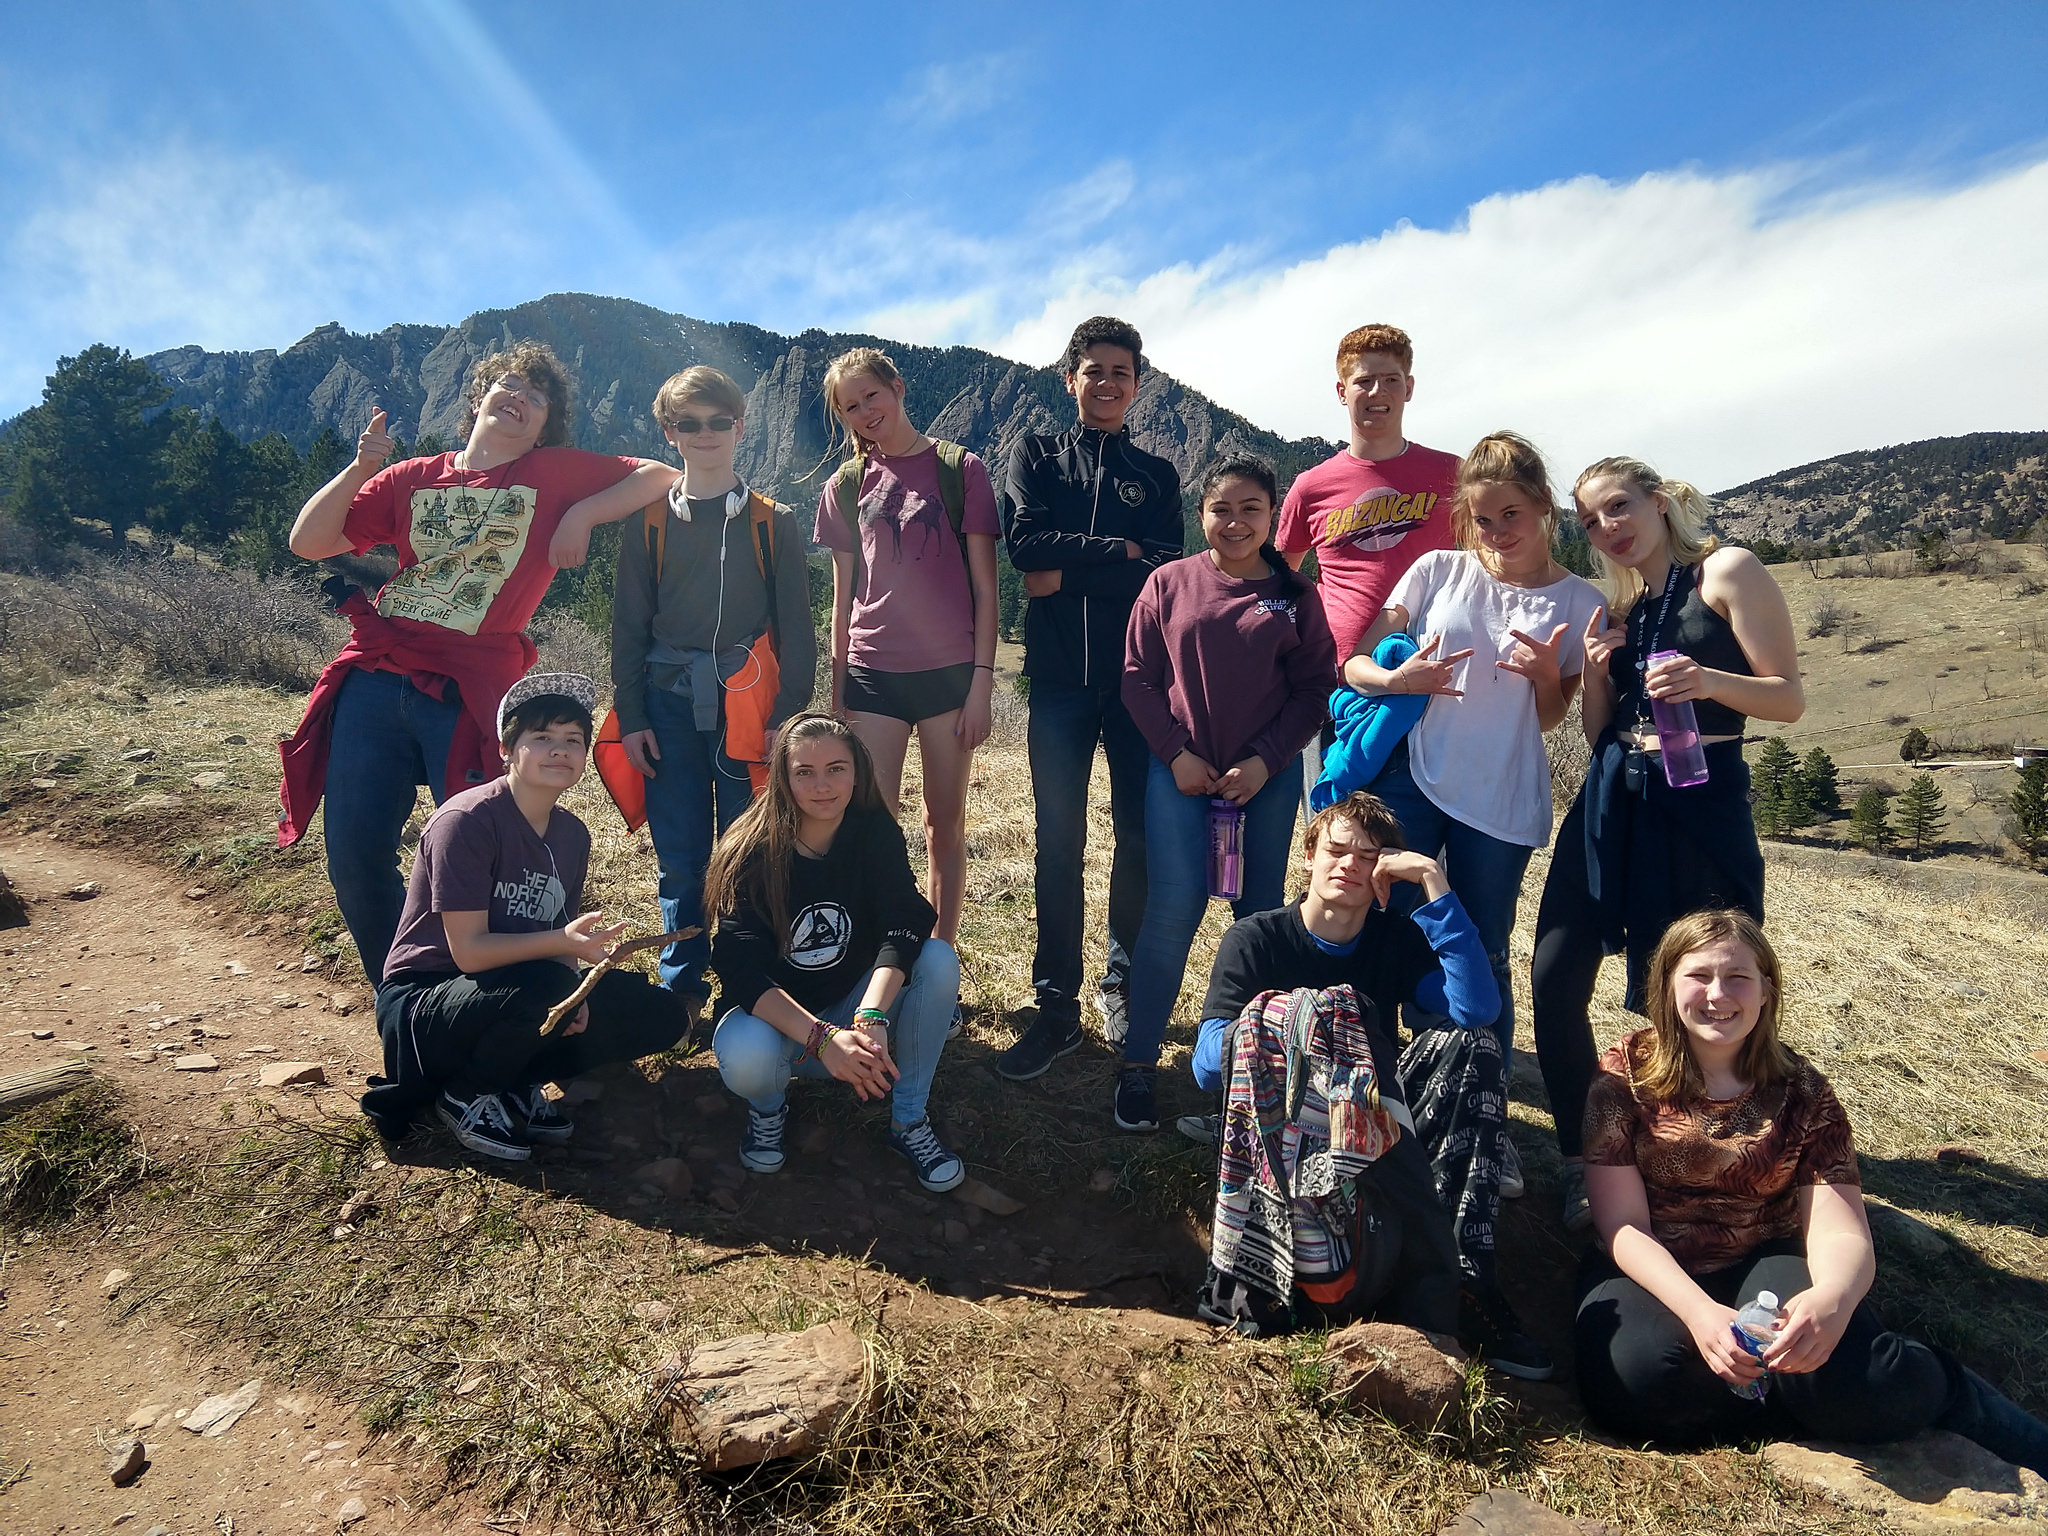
<point>1208,1059</point>
<point>1462,983</point>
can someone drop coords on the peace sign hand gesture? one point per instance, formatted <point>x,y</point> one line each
<point>1536,659</point>
<point>1602,640</point>
<point>1420,674</point>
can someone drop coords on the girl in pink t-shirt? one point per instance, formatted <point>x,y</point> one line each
<point>913,606</point>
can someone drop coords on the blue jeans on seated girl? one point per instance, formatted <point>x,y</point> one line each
<point>1484,871</point>
<point>757,1060</point>
<point>1177,888</point>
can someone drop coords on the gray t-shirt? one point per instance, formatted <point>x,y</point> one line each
<point>480,854</point>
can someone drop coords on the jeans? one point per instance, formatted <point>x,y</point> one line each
<point>692,775</point>
<point>389,738</point>
<point>1484,871</point>
<point>467,1035</point>
<point>1641,1375</point>
<point>1177,888</point>
<point>1065,724</point>
<point>757,1060</point>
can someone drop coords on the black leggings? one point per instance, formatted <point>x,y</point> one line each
<point>1641,1376</point>
<point>1567,963</point>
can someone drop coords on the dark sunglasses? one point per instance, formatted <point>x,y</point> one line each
<point>690,426</point>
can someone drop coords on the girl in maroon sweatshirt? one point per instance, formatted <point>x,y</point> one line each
<point>1228,666</point>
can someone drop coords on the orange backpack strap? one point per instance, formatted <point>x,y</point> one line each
<point>761,534</point>
<point>654,528</point>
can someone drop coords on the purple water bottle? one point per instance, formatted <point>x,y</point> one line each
<point>1226,849</point>
<point>1678,736</point>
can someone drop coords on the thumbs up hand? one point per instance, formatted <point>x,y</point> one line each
<point>374,446</point>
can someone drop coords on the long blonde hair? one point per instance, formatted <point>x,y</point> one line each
<point>876,364</point>
<point>1501,458</point>
<point>1667,1070</point>
<point>768,828</point>
<point>1686,510</point>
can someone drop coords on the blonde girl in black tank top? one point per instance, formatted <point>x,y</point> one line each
<point>1634,854</point>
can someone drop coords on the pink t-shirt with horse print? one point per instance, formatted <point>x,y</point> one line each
<point>913,609</point>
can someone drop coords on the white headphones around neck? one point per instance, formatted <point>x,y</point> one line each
<point>678,503</point>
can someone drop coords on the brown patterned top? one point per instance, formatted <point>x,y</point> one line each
<point>1723,1176</point>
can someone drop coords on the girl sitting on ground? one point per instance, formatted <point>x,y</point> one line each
<point>825,951</point>
<point>911,524</point>
<point>1228,662</point>
<point>1634,853</point>
<point>1720,1165</point>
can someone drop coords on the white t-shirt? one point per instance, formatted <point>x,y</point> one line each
<point>1480,758</point>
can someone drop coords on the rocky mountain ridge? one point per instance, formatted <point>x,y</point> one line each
<point>620,351</point>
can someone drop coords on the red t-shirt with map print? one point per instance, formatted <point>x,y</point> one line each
<point>473,544</point>
<point>1368,521</point>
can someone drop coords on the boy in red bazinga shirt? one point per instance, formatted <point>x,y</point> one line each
<point>1374,509</point>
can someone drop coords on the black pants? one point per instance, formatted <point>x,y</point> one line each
<point>465,1035</point>
<point>1567,963</point>
<point>1642,1377</point>
<point>1455,1083</point>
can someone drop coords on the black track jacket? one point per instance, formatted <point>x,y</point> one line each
<point>1068,503</point>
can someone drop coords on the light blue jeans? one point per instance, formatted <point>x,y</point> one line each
<point>757,1060</point>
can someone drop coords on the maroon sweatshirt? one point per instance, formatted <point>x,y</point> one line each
<point>1227,668</point>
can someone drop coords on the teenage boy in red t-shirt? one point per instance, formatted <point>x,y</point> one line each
<point>409,701</point>
<point>1373,510</point>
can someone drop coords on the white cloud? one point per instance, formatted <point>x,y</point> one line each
<point>193,245</point>
<point>958,88</point>
<point>1693,320</point>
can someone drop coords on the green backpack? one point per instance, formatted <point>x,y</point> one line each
<point>952,491</point>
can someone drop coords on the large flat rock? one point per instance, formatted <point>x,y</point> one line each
<point>1936,1483</point>
<point>764,1395</point>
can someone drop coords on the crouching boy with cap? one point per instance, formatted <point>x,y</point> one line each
<point>488,944</point>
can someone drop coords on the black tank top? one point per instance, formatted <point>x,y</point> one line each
<point>1693,628</point>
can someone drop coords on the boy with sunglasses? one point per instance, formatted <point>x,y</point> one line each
<point>409,700</point>
<point>719,627</point>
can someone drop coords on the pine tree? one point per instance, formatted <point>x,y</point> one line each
<point>2029,807</point>
<point>1795,803</point>
<point>1774,764</point>
<point>1823,785</point>
<point>1870,821</point>
<point>1915,746</point>
<point>1922,815</point>
<point>95,443</point>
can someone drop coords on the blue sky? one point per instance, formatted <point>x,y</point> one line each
<point>1554,200</point>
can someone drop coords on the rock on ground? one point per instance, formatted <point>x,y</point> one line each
<point>1389,1369</point>
<point>1505,1513</point>
<point>1934,1482</point>
<point>289,1074</point>
<point>216,1415</point>
<point>125,1461</point>
<point>763,1396</point>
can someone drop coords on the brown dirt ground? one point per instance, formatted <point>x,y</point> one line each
<point>146,966</point>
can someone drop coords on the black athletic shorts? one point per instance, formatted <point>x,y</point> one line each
<point>911,696</point>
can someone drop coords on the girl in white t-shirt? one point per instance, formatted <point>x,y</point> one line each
<point>1499,623</point>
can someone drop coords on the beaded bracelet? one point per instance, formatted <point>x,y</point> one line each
<point>872,1016</point>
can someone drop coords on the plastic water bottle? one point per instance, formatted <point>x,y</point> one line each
<point>1755,1326</point>
<point>1678,736</point>
<point>1226,849</point>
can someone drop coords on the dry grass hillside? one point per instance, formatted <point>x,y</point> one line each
<point>1037,1378</point>
<point>1960,653</point>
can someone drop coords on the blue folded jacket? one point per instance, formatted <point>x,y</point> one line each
<point>1367,728</point>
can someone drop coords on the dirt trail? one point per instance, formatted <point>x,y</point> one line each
<point>148,974</point>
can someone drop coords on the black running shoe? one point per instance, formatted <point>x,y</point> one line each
<point>1487,1325</point>
<point>1039,1047</point>
<point>1136,1107</point>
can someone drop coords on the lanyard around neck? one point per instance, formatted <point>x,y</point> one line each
<point>1652,633</point>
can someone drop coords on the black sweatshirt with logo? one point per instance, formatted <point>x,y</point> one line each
<point>1068,503</point>
<point>854,910</point>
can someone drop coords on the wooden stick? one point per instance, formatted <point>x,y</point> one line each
<point>574,1000</point>
<point>20,1089</point>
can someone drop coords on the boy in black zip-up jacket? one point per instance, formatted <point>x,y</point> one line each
<point>1087,516</point>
